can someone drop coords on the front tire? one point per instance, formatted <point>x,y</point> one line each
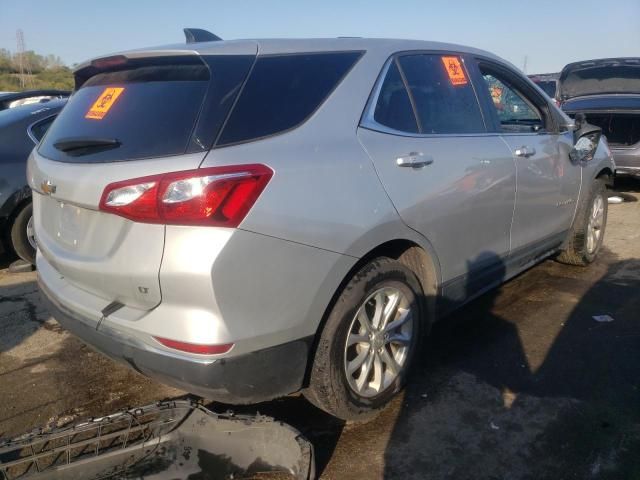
<point>22,237</point>
<point>587,234</point>
<point>369,341</point>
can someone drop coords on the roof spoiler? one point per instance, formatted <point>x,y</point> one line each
<point>196,35</point>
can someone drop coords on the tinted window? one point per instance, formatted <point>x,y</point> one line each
<point>444,99</point>
<point>515,112</point>
<point>40,128</point>
<point>155,106</point>
<point>149,110</point>
<point>393,108</point>
<point>282,92</point>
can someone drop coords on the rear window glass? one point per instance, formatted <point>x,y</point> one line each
<point>444,98</point>
<point>150,110</point>
<point>282,92</point>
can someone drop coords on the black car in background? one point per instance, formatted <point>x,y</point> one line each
<point>607,92</point>
<point>21,128</point>
<point>16,99</point>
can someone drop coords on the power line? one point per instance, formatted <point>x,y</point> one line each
<point>26,77</point>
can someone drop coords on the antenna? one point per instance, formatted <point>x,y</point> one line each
<point>26,78</point>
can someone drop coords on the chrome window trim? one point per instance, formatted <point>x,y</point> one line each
<point>32,137</point>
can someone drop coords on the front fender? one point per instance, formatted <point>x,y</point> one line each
<point>603,162</point>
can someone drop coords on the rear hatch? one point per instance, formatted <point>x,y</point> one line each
<point>131,116</point>
<point>598,77</point>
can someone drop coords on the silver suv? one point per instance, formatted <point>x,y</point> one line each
<point>248,219</point>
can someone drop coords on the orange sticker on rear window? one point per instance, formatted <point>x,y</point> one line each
<point>104,103</point>
<point>454,70</point>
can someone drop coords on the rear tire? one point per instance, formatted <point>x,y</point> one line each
<point>21,230</point>
<point>373,331</point>
<point>587,234</point>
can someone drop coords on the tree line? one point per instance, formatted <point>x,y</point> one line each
<point>46,71</point>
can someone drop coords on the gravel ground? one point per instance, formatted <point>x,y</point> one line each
<point>520,384</point>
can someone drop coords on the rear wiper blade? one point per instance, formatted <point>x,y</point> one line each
<point>83,145</point>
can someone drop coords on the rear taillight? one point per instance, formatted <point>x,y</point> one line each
<point>216,196</point>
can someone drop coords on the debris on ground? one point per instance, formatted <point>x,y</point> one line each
<point>20,266</point>
<point>615,200</point>
<point>168,440</point>
<point>603,318</point>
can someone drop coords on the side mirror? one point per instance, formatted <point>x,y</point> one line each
<point>585,138</point>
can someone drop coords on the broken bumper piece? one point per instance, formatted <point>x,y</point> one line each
<point>173,439</point>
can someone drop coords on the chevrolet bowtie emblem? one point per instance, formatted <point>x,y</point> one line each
<point>48,188</point>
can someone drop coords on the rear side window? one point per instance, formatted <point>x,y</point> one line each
<point>393,108</point>
<point>282,92</point>
<point>441,91</point>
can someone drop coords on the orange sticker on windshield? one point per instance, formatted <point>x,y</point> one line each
<point>454,70</point>
<point>104,103</point>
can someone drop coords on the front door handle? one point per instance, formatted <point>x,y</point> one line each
<point>525,151</point>
<point>414,160</point>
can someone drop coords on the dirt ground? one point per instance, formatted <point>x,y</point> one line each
<point>520,384</point>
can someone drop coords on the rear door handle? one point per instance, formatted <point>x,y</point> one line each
<point>525,151</point>
<point>414,160</point>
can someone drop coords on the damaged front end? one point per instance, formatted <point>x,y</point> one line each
<point>168,440</point>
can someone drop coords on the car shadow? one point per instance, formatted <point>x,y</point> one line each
<point>5,261</point>
<point>627,187</point>
<point>19,308</point>
<point>528,392</point>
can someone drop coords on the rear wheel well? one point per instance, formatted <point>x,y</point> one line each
<point>409,254</point>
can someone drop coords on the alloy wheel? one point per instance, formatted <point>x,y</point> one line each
<point>595,225</point>
<point>378,342</point>
<point>31,233</point>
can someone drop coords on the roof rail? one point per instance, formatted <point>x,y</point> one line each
<point>196,35</point>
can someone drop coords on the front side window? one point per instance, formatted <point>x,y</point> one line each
<point>515,112</point>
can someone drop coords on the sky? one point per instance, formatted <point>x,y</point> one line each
<point>548,33</point>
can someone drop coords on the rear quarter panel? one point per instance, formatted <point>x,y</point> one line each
<point>325,194</point>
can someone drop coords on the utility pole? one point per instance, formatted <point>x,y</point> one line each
<point>524,67</point>
<point>26,78</point>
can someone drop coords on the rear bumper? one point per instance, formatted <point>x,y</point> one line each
<point>244,379</point>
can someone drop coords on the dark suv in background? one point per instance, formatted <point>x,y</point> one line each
<point>21,128</point>
<point>607,92</point>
